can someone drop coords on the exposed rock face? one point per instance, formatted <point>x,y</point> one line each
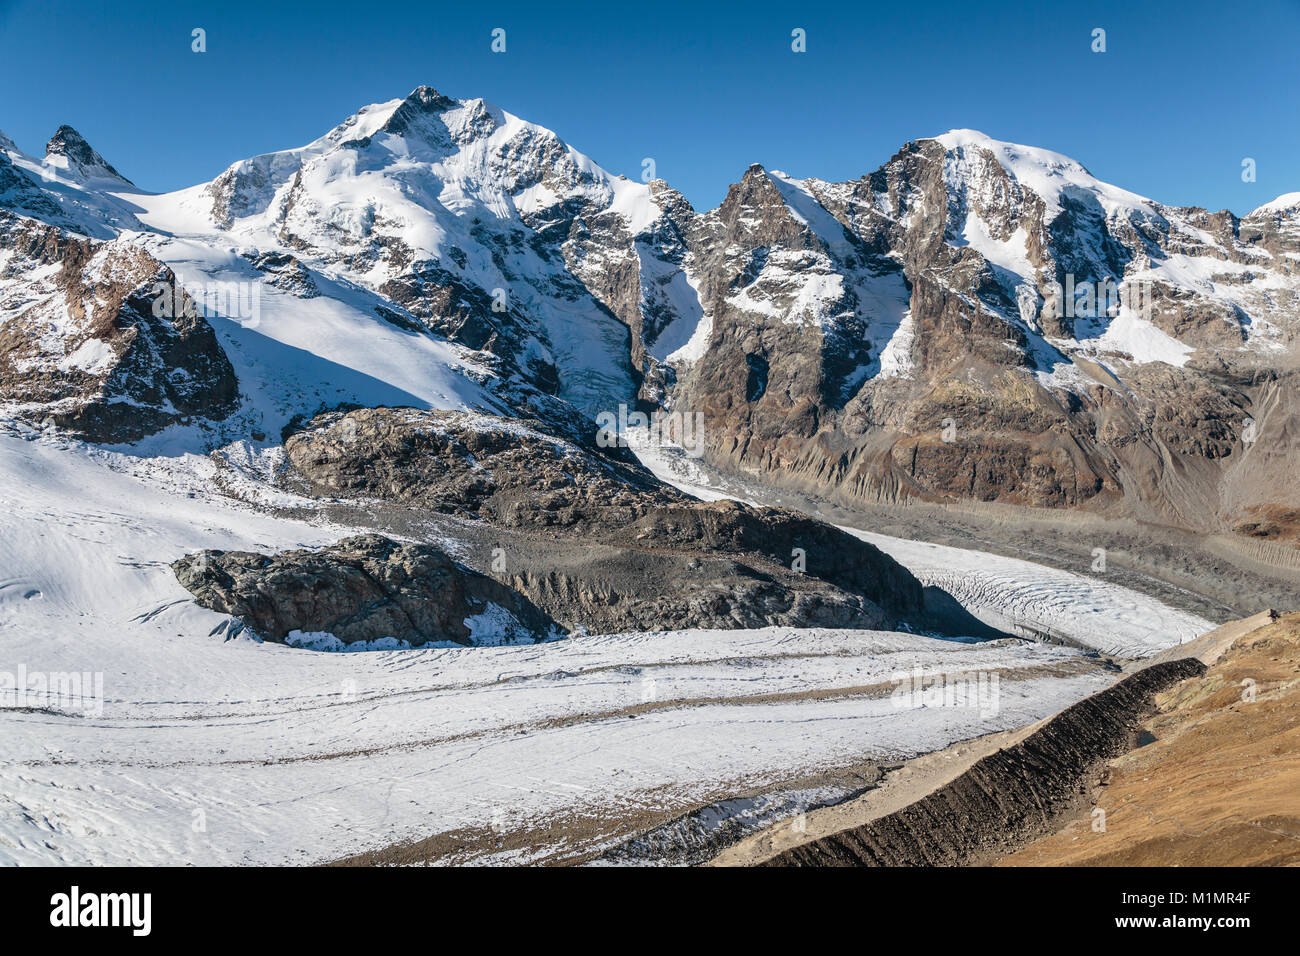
<point>508,471</point>
<point>285,272</point>
<point>84,348</point>
<point>650,554</point>
<point>609,588</point>
<point>925,332</point>
<point>363,589</point>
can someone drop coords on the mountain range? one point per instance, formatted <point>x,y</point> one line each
<point>972,320</point>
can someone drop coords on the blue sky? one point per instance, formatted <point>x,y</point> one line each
<point>1183,93</point>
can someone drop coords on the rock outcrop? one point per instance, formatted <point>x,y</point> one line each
<point>363,589</point>
<point>627,550</point>
<point>87,346</point>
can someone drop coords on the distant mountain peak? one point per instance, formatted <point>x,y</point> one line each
<point>1053,176</point>
<point>428,98</point>
<point>1285,203</point>
<point>1011,155</point>
<point>69,148</point>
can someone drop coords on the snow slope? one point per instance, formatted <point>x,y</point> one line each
<point>1047,173</point>
<point>301,354</point>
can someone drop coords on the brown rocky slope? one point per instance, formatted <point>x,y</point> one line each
<point>1005,796</point>
<point>1217,779</point>
<point>101,342</point>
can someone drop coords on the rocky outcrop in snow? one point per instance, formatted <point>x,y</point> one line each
<point>366,589</point>
<point>69,150</point>
<point>618,548</point>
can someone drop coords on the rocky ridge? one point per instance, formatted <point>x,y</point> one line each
<point>596,539</point>
<point>1009,797</point>
<point>84,345</point>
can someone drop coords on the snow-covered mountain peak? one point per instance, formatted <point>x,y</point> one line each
<point>72,187</point>
<point>1013,155</point>
<point>414,110</point>
<point>488,230</point>
<point>1054,177</point>
<point>1287,204</point>
<point>68,150</point>
<point>428,152</point>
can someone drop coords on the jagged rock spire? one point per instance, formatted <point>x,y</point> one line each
<point>81,157</point>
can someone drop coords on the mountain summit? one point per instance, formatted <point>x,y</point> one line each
<point>68,150</point>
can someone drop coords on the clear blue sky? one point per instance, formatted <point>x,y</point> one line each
<point>1183,93</point>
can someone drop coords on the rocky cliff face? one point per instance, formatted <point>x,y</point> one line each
<point>596,540</point>
<point>977,320</point>
<point>84,345</point>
